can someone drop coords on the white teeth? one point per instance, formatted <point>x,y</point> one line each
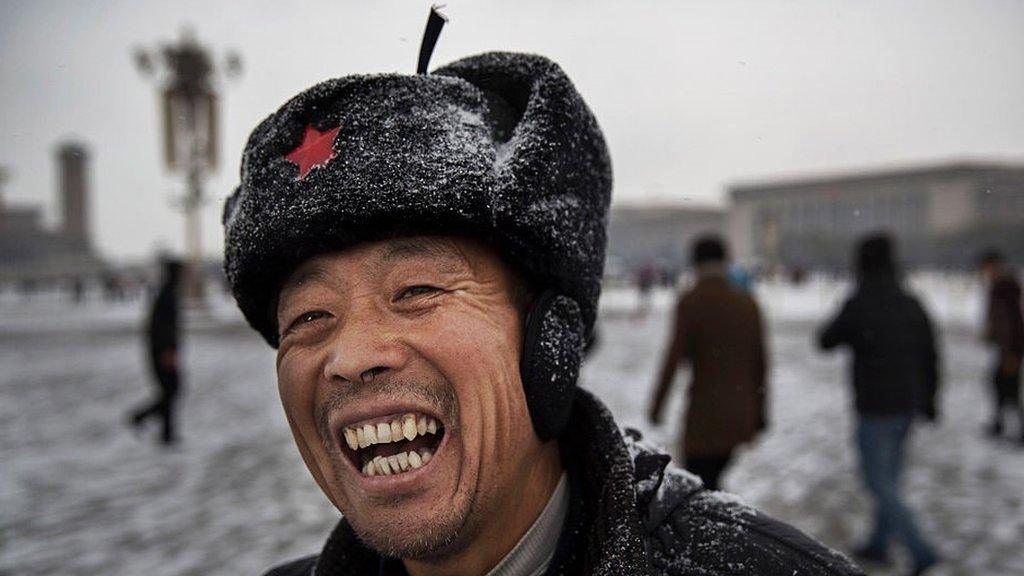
<point>371,434</point>
<point>351,438</point>
<point>398,463</point>
<point>414,460</point>
<point>409,427</point>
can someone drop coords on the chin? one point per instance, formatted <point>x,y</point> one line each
<point>411,535</point>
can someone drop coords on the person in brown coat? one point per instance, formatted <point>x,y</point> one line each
<point>718,329</point>
<point>1004,330</point>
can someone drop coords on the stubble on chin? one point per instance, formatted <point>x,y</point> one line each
<point>414,538</point>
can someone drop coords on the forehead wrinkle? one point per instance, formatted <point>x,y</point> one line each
<point>448,258</point>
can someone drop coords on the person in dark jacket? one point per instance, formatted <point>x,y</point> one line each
<point>1004,330</point>
<point>425,252</point>
<point>718,329</point>
<point>895,377</point>
<point>162,334</point>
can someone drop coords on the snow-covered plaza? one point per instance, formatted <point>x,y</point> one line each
<point>80,494</point>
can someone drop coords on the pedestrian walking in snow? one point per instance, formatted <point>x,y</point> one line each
<point>718,329</point>
<point>162,334</point>
<point>645,278</point>
<point>1004,331</point>
<point>895,377</point>
<point>425,252</point>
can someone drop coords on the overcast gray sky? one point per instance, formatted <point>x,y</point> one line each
<point>691,95</point>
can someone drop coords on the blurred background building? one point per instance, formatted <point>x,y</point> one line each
<point>942,215</point>
<point>30,250</point>
<point>658,236</point>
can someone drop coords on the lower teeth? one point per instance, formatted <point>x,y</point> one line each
<point>398,463</point>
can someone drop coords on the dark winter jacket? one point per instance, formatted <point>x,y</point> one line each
<point>1005,324</point>
<point>163,322</point>
<point>895,360</point>
<point>630,514</point>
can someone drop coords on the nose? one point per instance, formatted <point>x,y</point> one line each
<point>362,350</point>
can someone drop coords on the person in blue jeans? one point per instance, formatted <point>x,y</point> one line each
<point>895,378</point>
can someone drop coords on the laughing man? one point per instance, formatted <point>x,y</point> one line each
<point>425,252</point>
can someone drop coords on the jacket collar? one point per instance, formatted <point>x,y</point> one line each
<point>603,535</point>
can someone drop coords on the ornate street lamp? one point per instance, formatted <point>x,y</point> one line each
<point>187,79</point>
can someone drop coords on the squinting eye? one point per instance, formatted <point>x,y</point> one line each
<point>308,317</point>
<point>414,291</point>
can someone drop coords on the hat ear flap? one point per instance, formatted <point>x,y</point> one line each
<point>552,352</point>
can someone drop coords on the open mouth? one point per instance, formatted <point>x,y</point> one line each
<point>393,444</point>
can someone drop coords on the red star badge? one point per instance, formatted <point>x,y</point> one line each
<point>317,149</point>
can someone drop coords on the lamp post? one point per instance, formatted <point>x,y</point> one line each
<point>187,79</point>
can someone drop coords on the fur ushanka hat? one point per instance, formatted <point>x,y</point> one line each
<point>498,146</point>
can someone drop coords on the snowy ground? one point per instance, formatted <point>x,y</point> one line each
<point>79,494</point>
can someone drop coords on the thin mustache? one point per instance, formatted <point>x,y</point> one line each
<point>437,394</point>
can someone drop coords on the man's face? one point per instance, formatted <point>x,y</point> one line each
<point>409,351</point>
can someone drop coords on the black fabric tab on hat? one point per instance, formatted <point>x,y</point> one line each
<point>435,22</point>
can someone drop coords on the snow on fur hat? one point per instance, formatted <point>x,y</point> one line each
<point>498,146</point>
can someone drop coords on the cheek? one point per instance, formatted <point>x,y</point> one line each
<point>297,384</point>
<point>483,349</point>
<point>479,355</point>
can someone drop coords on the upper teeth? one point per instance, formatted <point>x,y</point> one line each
<point>405,428</point>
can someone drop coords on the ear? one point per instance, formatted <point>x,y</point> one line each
<point>552,351</point>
